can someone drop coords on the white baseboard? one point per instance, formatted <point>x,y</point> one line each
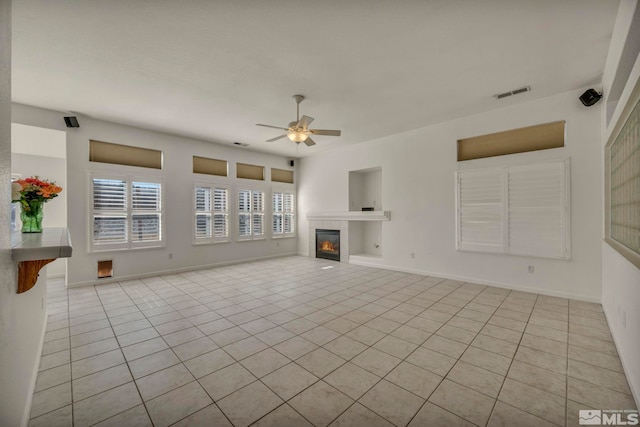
<point>619,343</point>
<point>477,281</point>
<point>34,375</point>
<point>174,271</point>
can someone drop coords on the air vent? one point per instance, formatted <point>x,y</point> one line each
<point>512,92</point>
<point>241,144</point>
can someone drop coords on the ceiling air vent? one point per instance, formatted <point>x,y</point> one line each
<point>241,144</point>
<point>512,92</point>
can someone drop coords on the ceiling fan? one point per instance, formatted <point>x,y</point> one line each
<point>299,131</point>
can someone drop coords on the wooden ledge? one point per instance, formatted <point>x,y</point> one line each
<point>32,251</point>
<point>28,272</point>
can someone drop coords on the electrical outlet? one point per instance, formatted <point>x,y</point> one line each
<point>531,269</point>
<point>413,255</point>
<point>170,256</point>
<point>277,244</point>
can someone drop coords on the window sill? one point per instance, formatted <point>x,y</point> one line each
<point>141,248</point>
<point>210,242</point>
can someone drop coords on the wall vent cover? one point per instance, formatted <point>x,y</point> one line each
<point>512,92</point>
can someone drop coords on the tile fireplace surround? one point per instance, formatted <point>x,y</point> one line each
<point>339,221</point>
<point>341,225</point>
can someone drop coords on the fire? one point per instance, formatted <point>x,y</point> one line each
<point>327,246</point>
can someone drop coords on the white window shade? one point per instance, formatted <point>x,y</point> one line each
<point>481,201</point>
<point>126,213</point>
<point>202,200</point>
<point>211,205</point>
<point>146,212</point>
<point>518,210</point>
<point>109,211</point>
<point>251,214</point>
<point>283,214</point>
<point>221,214</point>
<point>537,210</point>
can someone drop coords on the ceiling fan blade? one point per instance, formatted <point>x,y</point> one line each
<point>274,127</point>
<point>325,132</point>
<point>276,138</point>
<point>305,121</point>
<point>309,142</point>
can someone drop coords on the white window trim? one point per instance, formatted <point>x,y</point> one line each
<point>284,189</point>
<point>504,248</point>
<point>128,245</point>
<point>230,217</point>
<point>236,210</point>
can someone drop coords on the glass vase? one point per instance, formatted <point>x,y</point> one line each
<point>31,216</point>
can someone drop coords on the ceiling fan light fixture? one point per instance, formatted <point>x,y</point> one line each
<point>298,136</point>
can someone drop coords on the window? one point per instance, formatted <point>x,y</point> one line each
<point>283,214</point>
<point>118,154</point>
<point>127,213</point>
<point>211,213</point>
<point>622,183</point>
<point>250,214</point>
<point>518,210</point>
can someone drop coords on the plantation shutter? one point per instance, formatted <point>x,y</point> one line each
<point>519,210</point>
<point>244,213</point>
<point>481,210</point>
<point>203,212</point>
<point>289,213</point>
<point>258,213</point>
<point>146,211</point>
<point>109,211</point>
<point>221,213</point>
<point>278,213</point>
<point>537,210</point>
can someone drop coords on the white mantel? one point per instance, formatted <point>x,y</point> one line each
<point>350,216</point>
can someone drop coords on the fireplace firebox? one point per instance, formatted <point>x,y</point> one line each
<point>328,244</point>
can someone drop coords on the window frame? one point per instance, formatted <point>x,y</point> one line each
<point>617,125</point>
<point>252,188</point>
<point>213,239</point>
<point>284,190</point>
<point>128,244</point>
<point>505,223</point>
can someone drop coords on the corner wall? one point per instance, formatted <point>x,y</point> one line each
<point>179,254</point>
<point>22,317</point>
<point>418,174</point>
<point>620,278</point>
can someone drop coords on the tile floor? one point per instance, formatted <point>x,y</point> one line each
<point>300,342</point>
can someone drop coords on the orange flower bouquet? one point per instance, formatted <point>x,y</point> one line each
<point>32,193</point>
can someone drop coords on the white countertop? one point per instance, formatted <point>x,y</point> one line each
<point>50,244</point>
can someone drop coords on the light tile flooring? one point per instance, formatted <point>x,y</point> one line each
<point>300,342</point>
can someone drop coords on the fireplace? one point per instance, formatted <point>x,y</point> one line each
<point>328,244</point>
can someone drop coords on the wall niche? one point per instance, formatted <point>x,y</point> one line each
<point>365,189</point>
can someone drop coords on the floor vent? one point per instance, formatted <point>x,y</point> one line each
<point>512,92</point>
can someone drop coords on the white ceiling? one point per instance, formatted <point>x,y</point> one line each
<point>213,69</point>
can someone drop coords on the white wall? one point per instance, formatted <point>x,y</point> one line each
<point>418,188</point>
<point>42,152</point>
<point>22,317</point>
<point>178,181</point>
<point>620,278</point>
